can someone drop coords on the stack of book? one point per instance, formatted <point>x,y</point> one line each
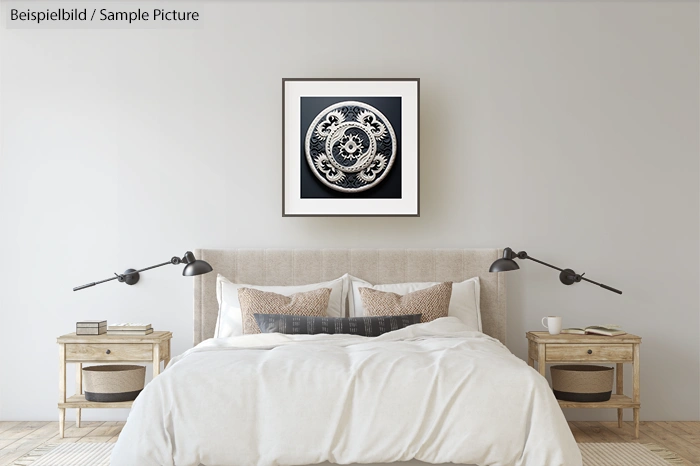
<point>607,330</point>
<point>91,327</point>
<point>129,329</point>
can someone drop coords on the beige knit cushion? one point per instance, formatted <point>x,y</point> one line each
<point>432,303</point>
<point>309,303</point>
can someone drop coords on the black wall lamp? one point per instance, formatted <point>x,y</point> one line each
<point>131,276</point>
<point>566,276</point>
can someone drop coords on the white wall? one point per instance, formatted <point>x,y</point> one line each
<point>566,129</point>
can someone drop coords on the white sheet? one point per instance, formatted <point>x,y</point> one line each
<point>434,392</point>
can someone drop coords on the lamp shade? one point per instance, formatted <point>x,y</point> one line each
<point>503,265</point>
<point>197,267</point>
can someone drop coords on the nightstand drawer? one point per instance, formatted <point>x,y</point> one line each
<point>87,352</point>
<point>593,353</point>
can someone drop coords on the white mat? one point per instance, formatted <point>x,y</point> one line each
<point>76,454</point>
<point>594,454</point>
<point>626,454</point>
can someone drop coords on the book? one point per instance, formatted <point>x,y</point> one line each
<point>129,326</point>
<point>91,330</point>
<point>91,323</point>
<point>607,330</point>
<point>130,332</point>
<point>574,330</point>
<point>91,327</point>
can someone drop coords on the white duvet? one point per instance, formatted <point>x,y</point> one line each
<point>435,392</point>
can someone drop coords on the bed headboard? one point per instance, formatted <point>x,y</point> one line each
<point>303,266</point>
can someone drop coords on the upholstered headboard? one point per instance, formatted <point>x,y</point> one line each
<point>303,266</point>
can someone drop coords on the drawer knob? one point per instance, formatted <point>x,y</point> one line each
<point>109,351</point>
<point>590,351</point>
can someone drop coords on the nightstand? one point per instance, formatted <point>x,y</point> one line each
<point>101,349</point>
<point>567,348</point>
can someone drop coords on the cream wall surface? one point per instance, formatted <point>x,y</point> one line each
<point>569,129</point>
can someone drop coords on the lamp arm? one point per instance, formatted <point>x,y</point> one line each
<point>540,262</point>
<point>575,276</point>
<point>609,288</point>
<point>155,266</point>
<point>175,260</point>
<point>88,285</point>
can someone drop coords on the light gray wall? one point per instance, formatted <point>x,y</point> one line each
<point>567,129</point>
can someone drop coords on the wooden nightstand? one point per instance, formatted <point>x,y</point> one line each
<point>101,349</point>
<point>566,348</point>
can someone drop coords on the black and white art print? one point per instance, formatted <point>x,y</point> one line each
<point>350,147</point>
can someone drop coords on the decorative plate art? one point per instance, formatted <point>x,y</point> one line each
<point>350,147</point>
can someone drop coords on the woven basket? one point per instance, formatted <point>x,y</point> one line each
<point>110,384</point>
<point>582,383</point>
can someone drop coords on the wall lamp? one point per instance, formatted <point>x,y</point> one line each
<point>566,276</point>
<point>130,276</point>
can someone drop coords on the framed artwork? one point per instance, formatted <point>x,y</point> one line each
<point>350,147</point>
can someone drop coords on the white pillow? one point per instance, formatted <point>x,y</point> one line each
<point>230,323</point>
<point>464,303</point>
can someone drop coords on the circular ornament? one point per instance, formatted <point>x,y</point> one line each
<point>350,146</point>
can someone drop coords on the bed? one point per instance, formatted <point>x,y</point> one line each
<point>435,393</point>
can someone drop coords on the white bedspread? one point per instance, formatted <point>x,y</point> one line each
<point>435,392</point>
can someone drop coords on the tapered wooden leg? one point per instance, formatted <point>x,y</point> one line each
<point>61,373</point>
<point>61,421</point>
<point>78,390</point>
<point>541,358</point>
<point>635,388</point>
<point>166,361</point>
<point>156,359</point>
<point>61,388</point>
<point>619,372</point>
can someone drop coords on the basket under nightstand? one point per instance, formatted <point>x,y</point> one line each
<point>569,348</point>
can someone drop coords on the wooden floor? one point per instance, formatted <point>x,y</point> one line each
<point>683,438</point>
<point>19,438</point>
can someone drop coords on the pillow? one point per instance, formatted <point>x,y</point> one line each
<point>464,303</point>
<point>433,302</point>
<point>364,326</point>
<point>229,322</point>
<point>308,303</point>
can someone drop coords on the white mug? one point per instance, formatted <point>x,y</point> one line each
<point>553,324</point>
